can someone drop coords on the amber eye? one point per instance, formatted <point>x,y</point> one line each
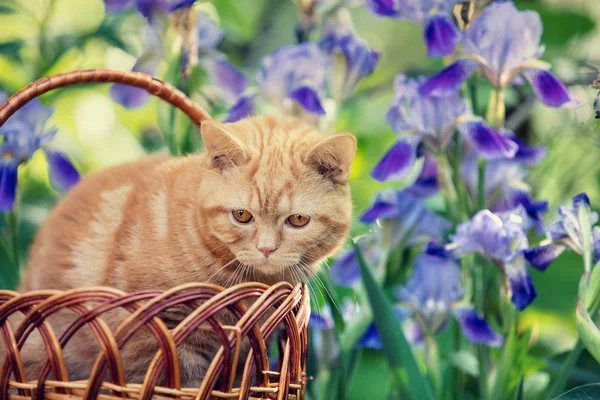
<point>298,221</point>
<point>242,216</point>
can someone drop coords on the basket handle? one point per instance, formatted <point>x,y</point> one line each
<point>151,84</point>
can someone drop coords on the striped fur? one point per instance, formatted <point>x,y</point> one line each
<point>164,221</point>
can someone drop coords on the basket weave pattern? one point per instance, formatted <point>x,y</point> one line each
<point>283,306</point>
<point>260,312</point>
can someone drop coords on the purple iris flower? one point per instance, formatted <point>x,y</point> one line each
<point>345,270</point>
<point>21,136</point>
<point>502,239</point>
<point>407,218</point>
<point>357,59</point>
<point>208,32</point>
<point>439,31</point>
<point>321,320</point>
<point>569,232</point>
<point>504,186</point>
<point>371,339</point>
<point>504,43</point>
<point>429,122</point>
<point>298,73</point>
<point>230,82</point>
<point>302,73</point>
<point>404,218</point>
<point>148,8</point>
<point>426,184</point>
<point>293,74</point>
<point>432,294</point>
<point>133,97</point>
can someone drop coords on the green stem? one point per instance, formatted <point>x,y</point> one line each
<point>5,242</point>
<point>447,187</point>
<point>432,358</point>
<point>481,184</point>
<point>563,375</point>
<point>458,378</point>
<point>496,111</point>
<point>479,280</point>
<point>462,205</point>
<point>479,277</point>
<point>561,378</point>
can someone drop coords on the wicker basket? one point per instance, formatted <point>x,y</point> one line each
<point>260,312</point>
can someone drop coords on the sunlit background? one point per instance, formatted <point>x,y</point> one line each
<point>43,37</point>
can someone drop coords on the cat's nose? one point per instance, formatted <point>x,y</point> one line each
<point>267,250</point>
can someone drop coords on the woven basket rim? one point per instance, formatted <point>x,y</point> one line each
<point>290,306</point>
<point>147,82</point>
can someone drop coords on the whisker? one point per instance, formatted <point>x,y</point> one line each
<point>220,269</point>
<point>326,290</point>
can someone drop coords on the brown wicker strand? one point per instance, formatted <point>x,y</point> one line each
<point>280,307</point>
<point>149,83</point>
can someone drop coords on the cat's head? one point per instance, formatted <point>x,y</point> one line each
<point>275,196</point>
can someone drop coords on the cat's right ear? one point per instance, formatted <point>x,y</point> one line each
<point>224,149</point>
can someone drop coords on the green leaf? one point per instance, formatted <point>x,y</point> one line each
<point>396,347</point>
<point>240,19</point>
<point>372,378</point>
<point>12,50</point>
<point>588,331</point>
<point>9,7</point>
<point>535,385</point>
<point>466,362</point>
<point>511,365</point>
<point>585,392</point>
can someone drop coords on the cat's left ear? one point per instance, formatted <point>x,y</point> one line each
<point>332,157</point>
<point>224,149</point>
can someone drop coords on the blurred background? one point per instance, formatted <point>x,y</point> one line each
<point>43,37</point>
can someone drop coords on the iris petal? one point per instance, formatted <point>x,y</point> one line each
<point>475,328</point>
<point>398,162</point>
<point>244,107</point>
<point>181,4</point>
<point>225,76</point>
<point>523,292</point>
<point>490,145</point>
<point>133,97</point>
<point>542,256</point>
<point>115,6</point>
<point>320,321</point>
<point>377,211</point>
<point>450,79</point>
<point>581,199</point>
<point>426,184</point>
<point>596,244</point>
<point>384,8</point>
<point>529,155</point>
<point>413,333</point>
<point>8,185</point>
<point>345,271</point>
<point>441,36</point>
<point>63,175</point>
<point>549,88</point>
<point>370,339</point>
<point>309,99</point>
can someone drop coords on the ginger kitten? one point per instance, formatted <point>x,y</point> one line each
<point>267,201</point>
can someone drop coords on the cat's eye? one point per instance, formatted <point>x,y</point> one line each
<point>298,221</point>
<point>242,216</point>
